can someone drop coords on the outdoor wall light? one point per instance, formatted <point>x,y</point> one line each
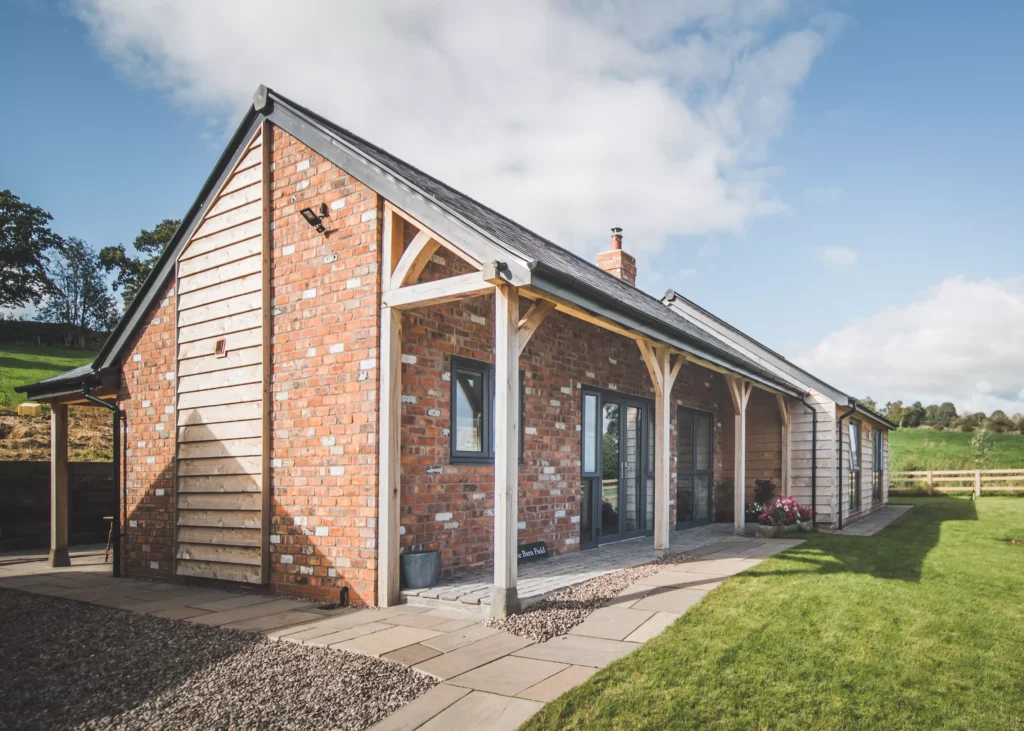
<point>312,219</point>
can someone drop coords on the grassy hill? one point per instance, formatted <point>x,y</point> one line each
<point>21,364</point>
<point>926,449</point>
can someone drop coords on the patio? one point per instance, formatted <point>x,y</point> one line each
<point>472,590</point>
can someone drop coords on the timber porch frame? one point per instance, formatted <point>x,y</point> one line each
<point>521,305</point>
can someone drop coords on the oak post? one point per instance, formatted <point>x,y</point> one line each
<point>505,598</point>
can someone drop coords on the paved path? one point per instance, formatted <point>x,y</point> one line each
<point>875,521</point>
<point>491,679</point>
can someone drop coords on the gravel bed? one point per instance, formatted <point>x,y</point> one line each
<point>66,664</point>
<point>559,612</point>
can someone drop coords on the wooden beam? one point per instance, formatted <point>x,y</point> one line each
<point>740,392</point>
<point>437,292</point>
<point>266,362</point>
<point>414,260</point>
<point>651,361</point>
<point>676,367</point>
<point>392,238</point>
<point>505,599</point>
<point>529,323</point>
<point>59,486</point>
<point>405,217</point>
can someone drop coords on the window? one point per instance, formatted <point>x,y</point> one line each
<point>472,406</point>
<point>855,455</point>
<point>877,469</point>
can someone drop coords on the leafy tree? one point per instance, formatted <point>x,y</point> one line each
<point>946,414</point>
<point>25,240</point>
<point>999,422</point>
<point>869,403</point>
<point>981,448</point>
<point>970,422</point>
<point>1018,423</point>
<point>894,412</point>
<point>133,270</point>
<point>81,301</point>
<point>913,416</point>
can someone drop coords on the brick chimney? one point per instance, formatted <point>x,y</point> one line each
<point>617,262</point>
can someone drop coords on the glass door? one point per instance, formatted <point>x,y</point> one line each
<point>694,467</point>
<point>614,469</point>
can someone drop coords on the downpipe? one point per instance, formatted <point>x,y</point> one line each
<point>118,463</point>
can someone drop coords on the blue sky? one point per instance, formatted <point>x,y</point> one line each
<point>863,214</point>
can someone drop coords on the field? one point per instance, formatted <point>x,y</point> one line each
<point>926,449</point>
<point>28,438</point>
<point>918,627</point>
<point>21,364</point>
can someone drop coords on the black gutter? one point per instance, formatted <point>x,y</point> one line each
<point>123,498</point>
<point>814,461</point>
<point>547,278</point>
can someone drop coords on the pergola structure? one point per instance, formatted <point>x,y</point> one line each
<point>521,304</point>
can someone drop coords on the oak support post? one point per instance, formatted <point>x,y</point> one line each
<point>389,441</point>
<point>977,483</point>
<point>740,392</point>
<point>505,598</point>
<point>59,486</point>
<point>785,445</point>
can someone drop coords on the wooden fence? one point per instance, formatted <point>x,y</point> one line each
<point>25,503</point>
<point>976,481</point>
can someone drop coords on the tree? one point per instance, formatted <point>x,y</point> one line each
<point>913,416</point>
<point>894,412</point>
<point>999,423</point>
<point>946,414</point>
<point>869,403</point>
<point>133,270</point>
<point>81,301</point>
<point>25,240</point>
<point>981,448</point>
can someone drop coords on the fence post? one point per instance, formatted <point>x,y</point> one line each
<point>928,478</point>
<point>977,483</point>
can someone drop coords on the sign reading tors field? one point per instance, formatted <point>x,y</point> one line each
<point>222,512</point>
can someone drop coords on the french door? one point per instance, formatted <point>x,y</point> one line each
<point>694,467</point>
<point>616,467</point>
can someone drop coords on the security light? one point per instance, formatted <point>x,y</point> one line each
<point>312,219</point>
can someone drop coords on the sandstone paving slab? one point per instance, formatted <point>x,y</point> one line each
<point>338,637</point>
<point>631,595</point>
<point>415,714</point>
<point>178,613</point>
<point>453,625</point>
<point>673,601</point>
<point>682,580</point>
<point>241,613</point>
<point>460,637</point>
<point>611,623</point>
<point>577,650</point>
<point>652,627</point>
<point>472,655</point>
<point>508,675</point>
<point>170,602</point>
<point>125,602</point>
<point>547,690</point>
<point>411,654</point>
<point>235,602</point>
<point>383,642</point>
<point>479,710</point>
<point>425,621</point>
<point>266,622</point>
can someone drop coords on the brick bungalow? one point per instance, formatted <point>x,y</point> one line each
<point>339,358</point>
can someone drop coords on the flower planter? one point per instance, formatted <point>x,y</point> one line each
<point>420,569</point>
<point>773,531</point>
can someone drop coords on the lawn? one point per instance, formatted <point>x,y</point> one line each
<point>926,449</point>
<point>21,364</point>
<point>920,626</point>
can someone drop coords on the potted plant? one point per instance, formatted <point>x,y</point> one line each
<point>785,515</point>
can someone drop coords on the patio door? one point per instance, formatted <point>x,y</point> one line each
<point>694,467</point>
<point>615,470</point>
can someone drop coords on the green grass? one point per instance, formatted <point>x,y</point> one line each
<point>920,626</point>
<point>22,364</point>
<point>926,449</point>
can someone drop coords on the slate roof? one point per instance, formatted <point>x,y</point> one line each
<point>540,254</point>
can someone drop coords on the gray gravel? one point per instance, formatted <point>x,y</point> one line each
<point>559,612</point>
<point>66,664</point>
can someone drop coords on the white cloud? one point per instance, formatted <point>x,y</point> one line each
<point>708,251</point>
<point>570,117</point>
<point>837,257</point>
<point>963,341</point>
<point>823,194</point>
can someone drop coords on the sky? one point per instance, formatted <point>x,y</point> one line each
<point>838,179</point>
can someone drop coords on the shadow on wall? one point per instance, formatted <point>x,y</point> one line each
<point>897,552</point>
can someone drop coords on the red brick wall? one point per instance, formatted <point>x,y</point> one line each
<point>450,506</point>
<point>147,397</point>
<point>324,364</point>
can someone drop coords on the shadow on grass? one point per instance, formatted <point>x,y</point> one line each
<point>897,552</point>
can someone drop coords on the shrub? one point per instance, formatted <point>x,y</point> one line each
<point>764,491</point>
<point>784,511</point>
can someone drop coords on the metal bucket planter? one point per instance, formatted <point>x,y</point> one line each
<point>774,531</point>
<point>420,569</point>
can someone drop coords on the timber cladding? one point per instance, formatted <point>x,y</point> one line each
<point>221,412</point>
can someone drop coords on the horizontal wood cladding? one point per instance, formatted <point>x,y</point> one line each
<point>222,419</point>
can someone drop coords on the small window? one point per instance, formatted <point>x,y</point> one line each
<point>590,434</point>
<point>472,399</point>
